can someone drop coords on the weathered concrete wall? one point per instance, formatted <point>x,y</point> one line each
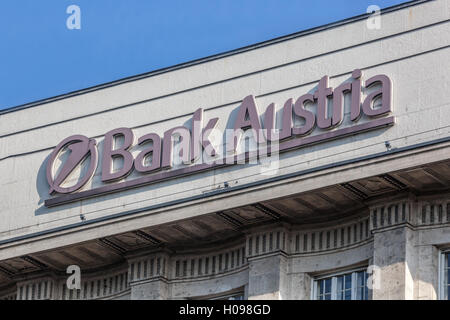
<point>411,48</point>
<point>392,255</point>
<point>153,290</point>
<point>267,278</point>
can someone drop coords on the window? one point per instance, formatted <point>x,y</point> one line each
<point>362,292</point>
<point>445,276</point>
<point>324,289</point>
<point>342,286</point>
<point>234,296</point>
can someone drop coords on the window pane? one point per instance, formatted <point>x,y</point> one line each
<point>448,276</point>
<point>360,276</point>
<point>340,284</point>
<point>359,293</point>
<point>321,290</point>
<point>348,281</point>
<point>362,291</point>
<point>343,288</point>
<point>236,296</point>
<point>366,289</point>
<point>348,294</point>
<point>328,286</point>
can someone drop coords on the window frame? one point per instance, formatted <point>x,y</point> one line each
<point>230,295</point>
<point>353,272</point>
<point>223,295</point>
<point>444,264</point>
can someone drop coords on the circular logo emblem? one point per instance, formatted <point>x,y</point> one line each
<point>80,148</point>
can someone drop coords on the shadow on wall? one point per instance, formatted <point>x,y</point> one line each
<point>43,187</point>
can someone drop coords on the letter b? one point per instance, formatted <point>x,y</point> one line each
<point>110,152</point>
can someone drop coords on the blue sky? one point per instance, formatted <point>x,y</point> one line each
<point>40,57</point>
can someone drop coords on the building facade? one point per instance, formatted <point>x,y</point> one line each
<point>312,166</point>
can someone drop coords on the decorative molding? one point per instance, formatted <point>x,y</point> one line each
<point>418,213</point>
<point>182,266</point>
<point>10,296</point>
<point>219,263</point>
<point>433,212</point>
<point>152,266</point>
<point>390,214</point>
<point>361,195</point>
<point>331,238</point>
<point>394,182</point>
<point>230,220</point>
<point>111,245</point>
<point>290,240</point>
<point>38,289</point>
<point>35,262</point>
<point>145,236</point>
<point>267,211</point>
<point>266,242</point>
<point>7,272</point>
<point>9,292</point>
<point>102,287</point>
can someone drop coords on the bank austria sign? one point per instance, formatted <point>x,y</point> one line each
<point>194,144</point>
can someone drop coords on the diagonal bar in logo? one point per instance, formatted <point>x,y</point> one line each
<point>80,147</point>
